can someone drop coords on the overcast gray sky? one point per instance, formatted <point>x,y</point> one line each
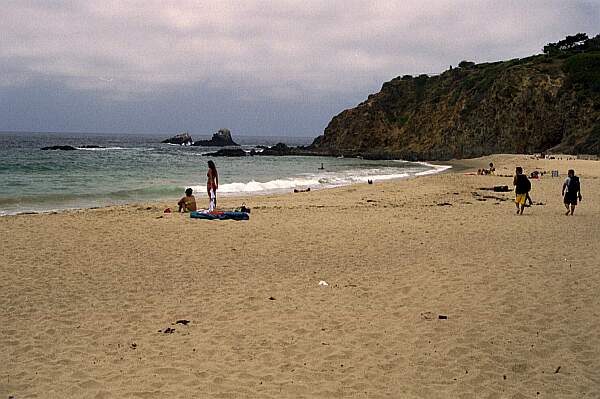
<point>281,67</point>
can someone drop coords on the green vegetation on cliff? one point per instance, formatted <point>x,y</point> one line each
<point>548,102</point>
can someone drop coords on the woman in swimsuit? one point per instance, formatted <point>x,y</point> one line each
<point>212,182</point>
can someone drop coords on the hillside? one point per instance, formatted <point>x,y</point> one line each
<point>548,102</point>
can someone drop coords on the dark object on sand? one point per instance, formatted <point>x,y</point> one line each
<point>243,208</point>
<point>182,321</point>
<point>59,147</point>
<point>168,330</point>
<point>168,210</point>
<point>91,146</point>
<point>498,189</point>
<point>271,298</point>
<point>443,317</point>
<point>301,191</point>
<point>557,370</point>
<point>370,181</point>
<point>444,204</point>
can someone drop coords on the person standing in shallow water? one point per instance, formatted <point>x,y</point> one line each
<point>522,188</point>
<point>571,191</point>
<point>212,184</point>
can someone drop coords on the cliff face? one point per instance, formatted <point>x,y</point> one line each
<point>529,105</point>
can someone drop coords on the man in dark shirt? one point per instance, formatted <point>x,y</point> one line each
<point>571,191</point>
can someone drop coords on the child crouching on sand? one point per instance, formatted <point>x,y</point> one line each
<point>187,203</point>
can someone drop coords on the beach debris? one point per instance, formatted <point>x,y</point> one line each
<point>182,321</point>
<point>323,283</point>
<point>498,189</point>
<point>133,345</point>
<point>271,298</point>
<point>301,190</point>
<point>557,370</point>
<point>370,181</point>
<point>443,317</point>
<point>167,330</point>
<point>444,204</point>
<point>427,316</point>
<point>168,210</point>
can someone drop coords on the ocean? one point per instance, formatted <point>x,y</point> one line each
<point>132,168</point>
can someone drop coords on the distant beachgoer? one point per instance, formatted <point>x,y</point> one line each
<point>492,169</point>
<point>212,184</point>
<point>571,191</point>
<point>522,188</point>
<point>187,203</point>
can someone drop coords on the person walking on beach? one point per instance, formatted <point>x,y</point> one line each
<point>571,191</point>
<point>212,184</point>
<point>522,188</point>
<point>187,203</point>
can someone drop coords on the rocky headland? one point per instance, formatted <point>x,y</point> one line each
<point>543,103</point>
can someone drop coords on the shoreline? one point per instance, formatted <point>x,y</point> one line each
<point>436,168</point>
<point>435,289</point>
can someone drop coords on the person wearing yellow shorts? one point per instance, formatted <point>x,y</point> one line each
<point>522,188</point>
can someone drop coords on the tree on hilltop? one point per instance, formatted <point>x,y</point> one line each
<point>568,43</point>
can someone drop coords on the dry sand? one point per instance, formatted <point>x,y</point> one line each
<point>85,296</point>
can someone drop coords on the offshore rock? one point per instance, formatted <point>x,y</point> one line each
<point>220,139</point>
<point>179,139</point>
<point>59,147</point>
<point>228,152</point>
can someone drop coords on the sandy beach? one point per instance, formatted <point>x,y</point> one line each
<point>436,289</point>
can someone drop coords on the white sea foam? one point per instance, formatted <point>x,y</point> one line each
<point>436,169</point>
<point>323,180</point>
<point>102,148</point>
<point>116,149</point>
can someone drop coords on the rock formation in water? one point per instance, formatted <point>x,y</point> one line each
<point>543,103</point>
<point>220,139</point>
<point>228,152</point>
<point>59,147</point>
<point>179,139</point>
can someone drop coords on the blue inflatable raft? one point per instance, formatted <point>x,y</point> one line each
<point>220,215</point>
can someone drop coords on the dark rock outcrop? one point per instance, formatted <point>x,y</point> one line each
<point>281,149</point>
<point>228,152</point>
<point>180,139</point>
<point>59,147</point>
<point>278,149</point>
<point>220,139</point>
<point>537,104</point>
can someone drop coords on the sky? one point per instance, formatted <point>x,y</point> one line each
<point>275,68</point>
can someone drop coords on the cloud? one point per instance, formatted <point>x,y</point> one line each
<point>278,50</point>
